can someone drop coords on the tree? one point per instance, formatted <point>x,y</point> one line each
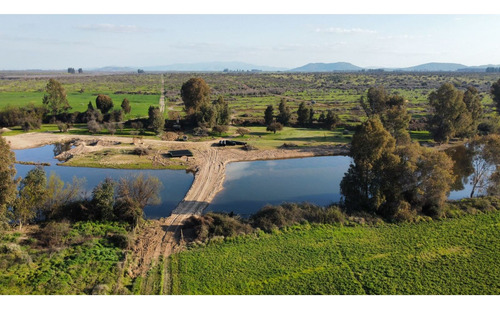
<point>331,120</point>
<point>222,112</point>
<point>8,183</point>
<point>32,195</point>
<point>80,70</point>
<point>144,191</point>
<point>195,93</point>
<point>90,107</point>
<point>472,101</point>
<point>451,117</point>
<point>275,126</point>
<point>60,194</point>
<point>485,160</point>
<point>311,116</point>
<point>126,106</point>
<point>55,99</point>
<point>156,119</point>
<point>103,200</point>
<point>395,182</point>
<point>206,116</point>
<point>396,120</point>
<point>284,114</point>
<point>104,103</point>
<point>495,94</point>
<point>242,131</point>
<point>303,117</point>
<point>71,70</point>
<point>269,115</point>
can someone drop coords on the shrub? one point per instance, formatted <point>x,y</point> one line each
<point>213,225</point>
<point>93,126</point>
<point>54,233</point>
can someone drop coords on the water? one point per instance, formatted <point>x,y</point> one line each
<point>251,185</point>
<point>248,185</point>
<point>175,182</point>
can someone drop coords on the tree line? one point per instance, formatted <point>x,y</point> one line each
<point>38,198</point>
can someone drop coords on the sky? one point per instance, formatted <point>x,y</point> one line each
<point>289,41</point>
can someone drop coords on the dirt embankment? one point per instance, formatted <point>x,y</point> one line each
<point>164,236</point>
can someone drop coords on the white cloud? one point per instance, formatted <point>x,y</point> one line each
<point>116,28</point>
<point>346,30</point>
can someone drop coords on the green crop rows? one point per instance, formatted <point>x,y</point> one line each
<point>454,256</point>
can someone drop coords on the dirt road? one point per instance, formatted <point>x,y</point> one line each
<point>162,237</point>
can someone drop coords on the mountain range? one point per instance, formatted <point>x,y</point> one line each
<point>311,67</point>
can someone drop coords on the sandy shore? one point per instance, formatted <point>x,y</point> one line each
<point>164,236</point>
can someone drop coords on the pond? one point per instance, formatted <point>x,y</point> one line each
<point>176,183</point>
<point>251,185</point>
<point>248,186</point>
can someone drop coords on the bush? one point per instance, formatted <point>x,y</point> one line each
<point>219,129</point>
<point>200,131</point>
<point>213,225</point>
<point>287,214</point>
<point>63,128</point>
<point>93,126</point>
<point>54,233</point>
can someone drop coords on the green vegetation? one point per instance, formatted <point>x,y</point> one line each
<point>451,256</point>
<point>85,258</point>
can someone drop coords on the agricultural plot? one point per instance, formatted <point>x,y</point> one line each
<point>454,256</point>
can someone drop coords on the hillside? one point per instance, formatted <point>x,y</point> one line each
<point>454,256</point>
<point>435,67</point>
<point>326,67</point>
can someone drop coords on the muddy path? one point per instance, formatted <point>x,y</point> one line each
<point>165,236</point>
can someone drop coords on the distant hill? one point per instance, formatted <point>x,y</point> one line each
<point>327,67</point>
<point>435,67</point>
<point>212,66</point>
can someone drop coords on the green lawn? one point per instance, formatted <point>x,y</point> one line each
<point>454,256</point>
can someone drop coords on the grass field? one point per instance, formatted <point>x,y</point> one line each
<point>454,256</point>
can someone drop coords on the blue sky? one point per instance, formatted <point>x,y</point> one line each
<point>61,41</point>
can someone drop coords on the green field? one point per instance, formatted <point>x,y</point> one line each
<point>453,256</point>
<point>79,101</point>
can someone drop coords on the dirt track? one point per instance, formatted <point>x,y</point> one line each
<point>164,236</point>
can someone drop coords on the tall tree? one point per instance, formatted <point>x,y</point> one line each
<point>395,182</point>
<point>485,160</point>
<point>303,114</point>
<point>126,106</point>
<point>495,94</point>
<point>269,115</point>
<point>55,99</point>
<point>472,101</point>
<point>284,114</point>
<point>104,103</point>
<point>32,196</point>
<point>195,93</point>
<point>156,119</point>
<point>331,120</point>
<point>223,114</point>
<point>140,189</point>
<point>8,183</point>
<point>451,117</point>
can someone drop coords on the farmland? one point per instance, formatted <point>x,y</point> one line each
<point>451,256</point>
<point>247,94</point>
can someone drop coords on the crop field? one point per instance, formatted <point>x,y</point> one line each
<point>248,94</point>
<point>451,256</point>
